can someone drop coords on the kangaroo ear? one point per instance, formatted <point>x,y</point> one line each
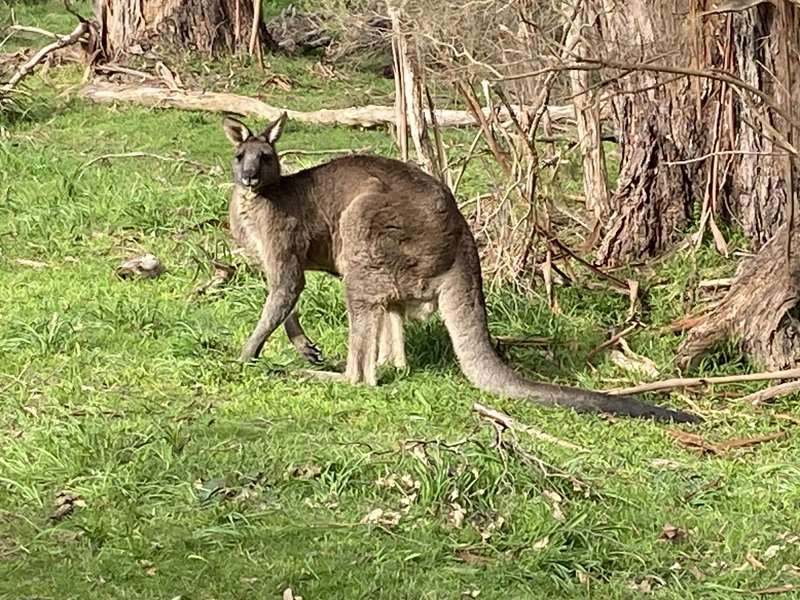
<point>236,131</point>
<point>275,129</point>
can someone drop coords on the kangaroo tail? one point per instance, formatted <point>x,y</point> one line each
<point>463,309</point>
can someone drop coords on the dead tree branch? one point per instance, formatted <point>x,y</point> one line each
<point>28,67</point>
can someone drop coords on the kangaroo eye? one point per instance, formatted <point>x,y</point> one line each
<point>239,156</point>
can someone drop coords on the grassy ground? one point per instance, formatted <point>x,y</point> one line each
<point>200,479</point>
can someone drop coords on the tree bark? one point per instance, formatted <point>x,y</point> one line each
<point>759,310</point>
<point>207,27</point>
<point>763,44</point>
<point>696,141</point>
<point>660,122</point>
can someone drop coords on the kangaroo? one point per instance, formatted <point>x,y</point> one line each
<point>402,248</point>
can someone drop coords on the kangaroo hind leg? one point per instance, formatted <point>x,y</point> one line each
<point>362,344</point>
<point>391,345</point>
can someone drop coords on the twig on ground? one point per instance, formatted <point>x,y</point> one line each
<point>684,323</point>
<point>770,393</point>
<point>715,283</point>
<point>612,340</point>
<point>507,422</point>
<point>683,382</point>
<point>698,443</point>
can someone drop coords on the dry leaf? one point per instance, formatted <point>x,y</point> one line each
<point>149,568</point>
<point>694,442</point>
<point>146,265</point>
<point>555,501</point>
<point>696,573</point>
<point>487,529</point>
<point>170,77</point>
<point>542,543</point>
<point>222,275</point>
<point>751,441</point>
<point>633,296</point>
<point>379,516</point>
<point>672,533</point>
<point>281,81</point>
<point>772,551</point>
<point>305,472</point>
<point>455,516</point>
<point>65,504</point>
<point>754,562</point>
<point>628,360</point>
<point>288,594</point>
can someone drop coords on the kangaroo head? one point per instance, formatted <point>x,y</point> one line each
<point>255,161</point>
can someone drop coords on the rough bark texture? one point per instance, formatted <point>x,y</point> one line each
<point>760,307</point>
<point>208,27</point>
<point>759,310</point>
<point>659,124</point>
<point>759,193</point>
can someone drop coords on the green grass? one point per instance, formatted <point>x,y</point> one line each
<point>203,479</point>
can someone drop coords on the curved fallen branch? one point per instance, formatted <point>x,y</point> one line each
<point>362,116</point>
<point>28,67</point>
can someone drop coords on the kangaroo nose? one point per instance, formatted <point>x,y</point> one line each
<point>249,181</point>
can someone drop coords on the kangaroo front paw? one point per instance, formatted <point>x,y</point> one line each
<point>311,352</point>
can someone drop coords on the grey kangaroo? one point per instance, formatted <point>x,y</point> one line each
<point>395,236</point>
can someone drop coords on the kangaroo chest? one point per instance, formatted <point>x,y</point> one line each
<point>259,229</point>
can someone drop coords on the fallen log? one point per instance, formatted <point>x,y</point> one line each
<point>362,116</point>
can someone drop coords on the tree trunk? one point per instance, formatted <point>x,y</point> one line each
<point>661,121</point>
<point>760,309</point>
<point>700,143</point>
<point>207,27</point>
<point>766,41</point>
